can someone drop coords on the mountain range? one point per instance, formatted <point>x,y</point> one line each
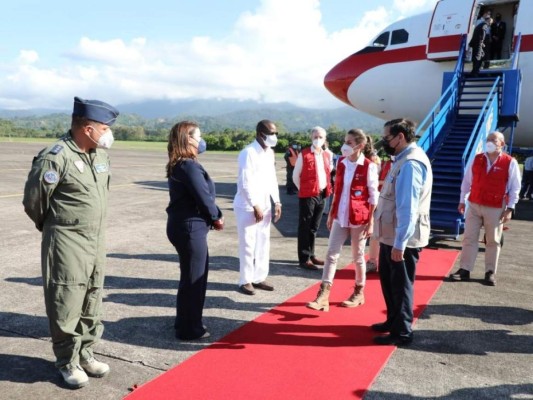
<point>218,114</point>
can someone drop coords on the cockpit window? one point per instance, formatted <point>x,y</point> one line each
<point>382,40</point>
<point>399,36</point>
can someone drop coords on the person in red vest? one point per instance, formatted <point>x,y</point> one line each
<point>312,177</point>
<point>354,200</point>
<point>493,182</point>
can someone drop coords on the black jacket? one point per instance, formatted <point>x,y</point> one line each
<point>192,193</point>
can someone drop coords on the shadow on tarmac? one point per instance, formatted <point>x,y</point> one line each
<point>487,392</point>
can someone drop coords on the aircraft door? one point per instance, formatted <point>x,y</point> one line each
<point>451,19</point>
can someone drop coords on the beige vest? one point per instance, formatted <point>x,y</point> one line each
<point>385,214</point>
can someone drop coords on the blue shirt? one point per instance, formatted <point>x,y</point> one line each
<point>409,183</point>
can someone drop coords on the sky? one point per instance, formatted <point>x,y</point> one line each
<point>127,51</point>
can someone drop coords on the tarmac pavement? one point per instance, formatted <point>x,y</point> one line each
<point>472,342</point>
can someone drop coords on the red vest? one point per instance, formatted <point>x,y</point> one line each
<point>488,189</point>
<point>385,168</point>
<point>309,186</point>
<point>359,206</point>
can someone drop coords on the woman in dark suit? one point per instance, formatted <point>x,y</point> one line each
<point>192,212</point>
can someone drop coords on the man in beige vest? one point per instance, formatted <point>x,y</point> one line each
<point>402,227</point>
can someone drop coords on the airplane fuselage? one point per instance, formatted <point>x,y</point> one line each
<point>400,72</point>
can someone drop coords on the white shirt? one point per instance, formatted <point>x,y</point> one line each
<point>320,168</point>
<point>513,182</point>
<point>372,182</point>
<point>257,181</point>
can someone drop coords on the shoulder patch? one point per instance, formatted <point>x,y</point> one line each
<point>56,149</point>
<point>51,176</point>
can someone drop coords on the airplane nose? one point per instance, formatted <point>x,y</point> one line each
<point>339,79</point>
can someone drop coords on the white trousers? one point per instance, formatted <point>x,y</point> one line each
<point>254,245</point>
<point>476,217</point>
<point>337,237</point>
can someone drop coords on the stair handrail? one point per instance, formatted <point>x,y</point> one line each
<point>516,53</point>
<point>490,103</point>
<point>446,102</point>
<point>459,66</point>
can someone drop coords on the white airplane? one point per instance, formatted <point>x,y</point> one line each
<point>400,72</point>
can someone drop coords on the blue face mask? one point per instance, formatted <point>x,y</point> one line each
<point>202,146</point>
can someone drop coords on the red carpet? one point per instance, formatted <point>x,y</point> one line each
<point>292,352</point>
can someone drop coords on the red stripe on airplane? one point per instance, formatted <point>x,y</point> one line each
<point>444,44</point>
<point>339,79</point>
<point>526,44</point>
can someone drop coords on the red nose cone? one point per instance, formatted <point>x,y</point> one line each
<point>339,79</point>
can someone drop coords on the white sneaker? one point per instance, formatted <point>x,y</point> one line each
<point>74,376</point>
<point>371,266</point>
<point>95,368</point>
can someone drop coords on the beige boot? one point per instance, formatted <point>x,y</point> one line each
<point>356,299</point>
<point>322,299</point>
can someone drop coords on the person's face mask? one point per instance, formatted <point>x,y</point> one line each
<point>202,145</point>
<point>347,150</point>
<point>318,142</point>
<point>390,150</point>
<point>106,139</point>
<point>490,147</point>
<point>270,140</point>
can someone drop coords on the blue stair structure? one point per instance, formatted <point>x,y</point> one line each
<point>455,130</point>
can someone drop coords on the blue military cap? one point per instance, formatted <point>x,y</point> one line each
<point>95,110</point>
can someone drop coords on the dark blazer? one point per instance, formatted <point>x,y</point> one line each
<point>479,40</point>
<point>192,194</point>
<point>497,30</point>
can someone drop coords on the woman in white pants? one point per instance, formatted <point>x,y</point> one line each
<point>354,199</point>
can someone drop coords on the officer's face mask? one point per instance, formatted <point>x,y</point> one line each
<point>106,139</point>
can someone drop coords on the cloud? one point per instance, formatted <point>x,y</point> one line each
<point>278,52</point>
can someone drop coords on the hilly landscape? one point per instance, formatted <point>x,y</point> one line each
<point>213,115</point>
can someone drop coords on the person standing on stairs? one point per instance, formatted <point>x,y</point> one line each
<point>354,199</point>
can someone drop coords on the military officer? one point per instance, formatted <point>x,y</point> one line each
<point>66,196</point>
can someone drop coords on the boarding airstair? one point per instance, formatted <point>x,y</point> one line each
<point>455,130</point>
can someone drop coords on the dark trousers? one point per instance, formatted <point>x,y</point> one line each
<point>397,280</point>
<point>476,65</point>
<point>290,186</point>
<point>527,185</point>
<point>190,240</point>
<point>311,209</point>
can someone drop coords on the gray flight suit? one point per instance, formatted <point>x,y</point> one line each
<point>66,196</point>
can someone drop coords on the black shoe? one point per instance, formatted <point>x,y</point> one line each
<point>309,265</point>
<point>263,286</point>
<point>204,336</point>
<point>393,340</point>
<point>460,275</point>
<point>380,327</point>
<point>490,279</point>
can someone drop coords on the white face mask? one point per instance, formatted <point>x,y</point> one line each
<point>347,150</point>
<point>271,140</point>
<point>318,143</point>
<point>106,140</point>
<point>490,147</point>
